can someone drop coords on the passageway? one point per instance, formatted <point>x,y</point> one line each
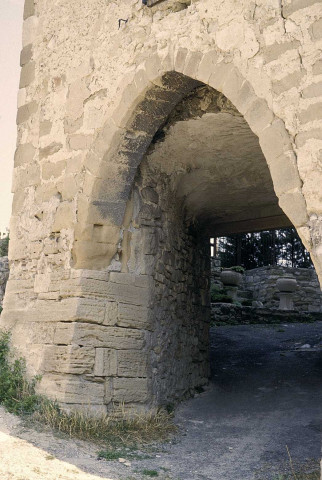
<point>265,393</point>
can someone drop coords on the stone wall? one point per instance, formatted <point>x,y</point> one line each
<point>262,283</point>
<point>4,275</point>
<point>174,253</point>
<point>235,315</point>
<point>87,305</point>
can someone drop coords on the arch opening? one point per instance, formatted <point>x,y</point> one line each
<point>203,173</point>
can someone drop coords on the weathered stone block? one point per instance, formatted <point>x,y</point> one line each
<point>313,90</point>
<point>111,314</point>
<point>65,217</point>
<point>312,134</point>
<point>284,173</point>
<point>72,389</point>
<point>45,127</point>
<point>68,359</point>
<point>180,58</point>
<point>106,234</point>
<point>51,169</point>
<point>259,116</point>
<point>25,153</point>
<point>290,81</point>
<point>80,142</point>
<point>26,111</point>
<point>105,362</point>
<point>133,316</point>
<point>127,294</point>
<point>293,204</point>
<point>275,141</point>
<point>129,390</point>
<point>192,63</point>
<point>132,364</point>
<point>29,9</point>
<point>26,177</point>
<point>296,5</point>
<point>27,75</point>
<point>312,113</point>
<point>50,150</point>
<point>273,52</point>
<point>29,30</point>
<point>99,336</point>
<point>26,55</point>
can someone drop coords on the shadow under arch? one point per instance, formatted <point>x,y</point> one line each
<point>144,106</point>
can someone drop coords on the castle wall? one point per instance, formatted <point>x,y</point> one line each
<point>92,95</point>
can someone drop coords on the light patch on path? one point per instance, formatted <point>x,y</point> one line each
<point>21,460</point>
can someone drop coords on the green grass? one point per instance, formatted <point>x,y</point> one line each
<point>4,246</point>
<point>17,394</point>
<point>111,454</point>
<point>119,428</point>
<point>150,473</point>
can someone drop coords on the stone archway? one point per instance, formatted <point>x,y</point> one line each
<point>113,209</point>
<point>146,102</point>
<point>142,310</point>
<point>77,311</point>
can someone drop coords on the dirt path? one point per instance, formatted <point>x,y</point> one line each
<point>266,393</point>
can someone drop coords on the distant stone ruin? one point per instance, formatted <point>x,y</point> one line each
<point>137,141</point>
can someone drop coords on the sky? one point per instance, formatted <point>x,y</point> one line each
<point>11,12</point>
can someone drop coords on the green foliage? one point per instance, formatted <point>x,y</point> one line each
<point>259,249</point>
<point>237,268</point>
<point>16,393</point>
<point>219,295</point>
<point>150,473</point>
<point>111,454</point>
<point>4,246</point>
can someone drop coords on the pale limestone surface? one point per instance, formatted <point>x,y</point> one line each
<point>107,252</point>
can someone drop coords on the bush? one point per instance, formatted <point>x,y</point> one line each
<point>219,295</point>
<point>4,246</point>
<point>238,269</point>
<point>16,393</point>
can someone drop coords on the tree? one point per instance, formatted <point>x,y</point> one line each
<point>269,247</point>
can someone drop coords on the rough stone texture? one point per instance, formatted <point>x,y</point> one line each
<point>262,283</point>
<point>235,314</point>
<point>86,226</point>
<point>259,284</point>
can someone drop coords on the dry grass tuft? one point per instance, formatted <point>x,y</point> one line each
<point>120,427</point>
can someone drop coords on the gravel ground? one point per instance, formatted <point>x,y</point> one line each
<point>265,393</point>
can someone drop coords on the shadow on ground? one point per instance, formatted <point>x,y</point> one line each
<point>265,393</point>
